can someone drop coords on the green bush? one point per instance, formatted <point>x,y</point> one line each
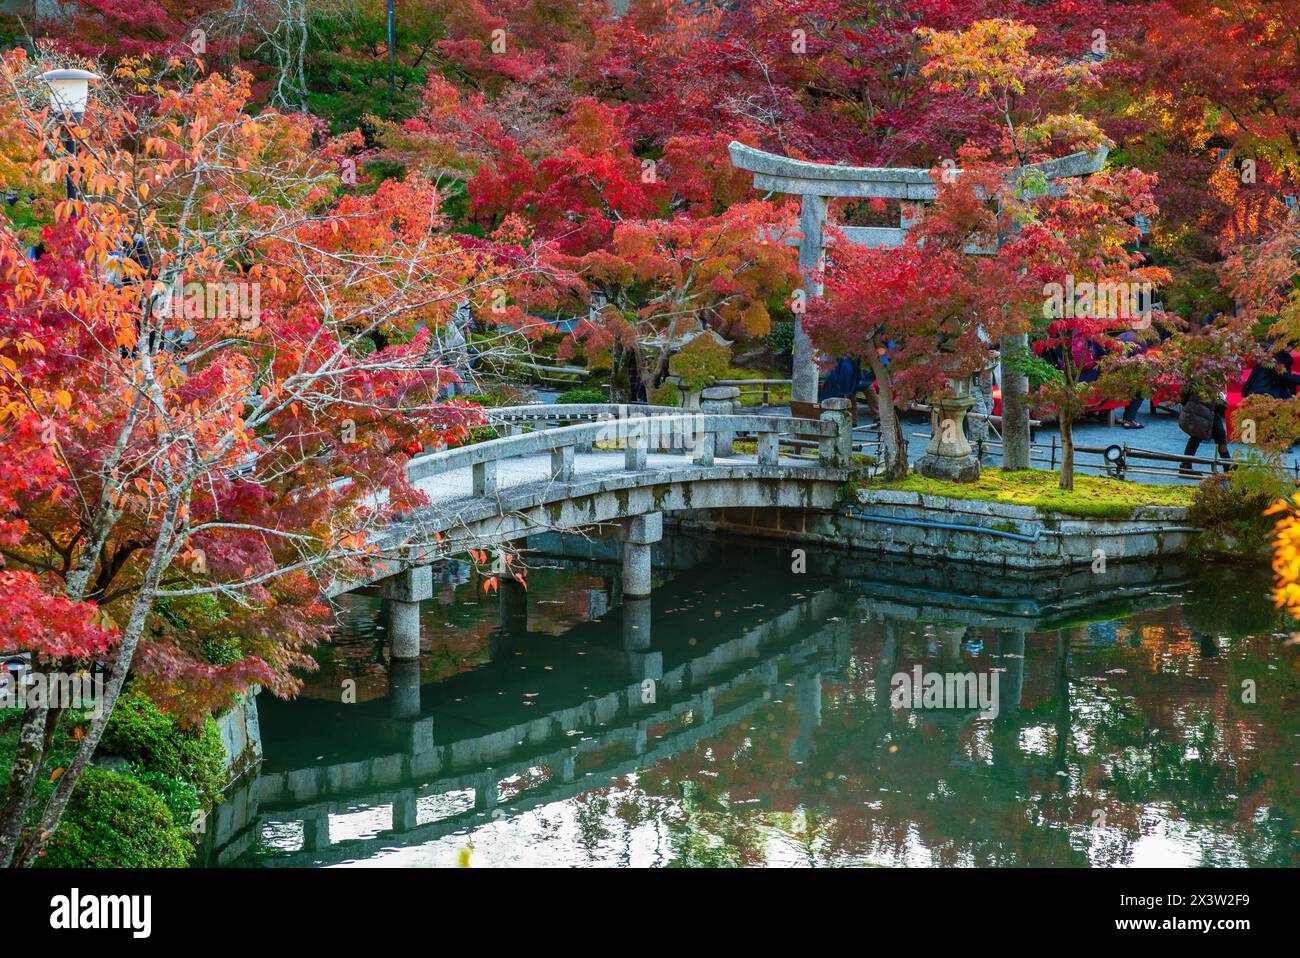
<point>579,396</point>
<point>781,338</point>
<point>1231,507</point>
<point>666,394</point>
<point>495,398</point>
<point>113,821</point>
<point>700,363</point>
<point>155,744</point>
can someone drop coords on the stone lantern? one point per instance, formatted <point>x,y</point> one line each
<point>948,455</point>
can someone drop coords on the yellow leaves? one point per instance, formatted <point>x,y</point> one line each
<point>144,191</point>
<point>1286,557</point>
<point>988,54</point>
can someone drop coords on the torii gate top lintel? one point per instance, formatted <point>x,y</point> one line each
<point>781,174</point>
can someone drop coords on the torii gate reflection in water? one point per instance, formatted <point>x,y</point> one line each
<point>817,182</point>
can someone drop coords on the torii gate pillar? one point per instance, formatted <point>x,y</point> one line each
<point>812,223</point>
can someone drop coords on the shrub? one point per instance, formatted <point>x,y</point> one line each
<point>781,338</point>
<point>580,396</point>
<point>113,821</point>
<point>495,398</point>
<point>666,394</point>
<point>155,744</point>
<point>1275,422</point>
<point>1231,507</point>
<point>700,363</point>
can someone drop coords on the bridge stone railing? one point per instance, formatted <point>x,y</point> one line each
<point>706,436</point>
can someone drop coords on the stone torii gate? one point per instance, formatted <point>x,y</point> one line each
<point>817,182</point>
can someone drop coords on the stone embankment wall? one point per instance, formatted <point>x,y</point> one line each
<point>972,531</point>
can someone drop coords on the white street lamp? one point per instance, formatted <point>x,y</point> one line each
<point>69,91</point>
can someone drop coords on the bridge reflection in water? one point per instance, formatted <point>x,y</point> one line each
<point>544,709</point>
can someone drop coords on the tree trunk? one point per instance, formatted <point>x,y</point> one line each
<point>891,430</point>
<point>22,779</point>
<point>618,378</point>
<point>1015,409</point>
<point>144,601</point>
<point>1067,449</point>
<point>1065,414</point>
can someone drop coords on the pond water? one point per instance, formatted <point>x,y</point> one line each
<point>749,714</point>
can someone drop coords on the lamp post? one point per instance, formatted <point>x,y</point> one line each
<point>69,94</point>
<point>392,55</point>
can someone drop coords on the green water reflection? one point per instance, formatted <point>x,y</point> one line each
<point>743,717</point>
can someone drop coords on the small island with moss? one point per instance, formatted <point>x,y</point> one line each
<point>1092,496</point>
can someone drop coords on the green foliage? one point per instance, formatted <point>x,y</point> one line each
<point>179,795</point>
<point>781,338</point>
<point>496,398</point>
<point>1038,370</point>
<point>222,650</point>
<point>580,396</point>
<point>378,170</point>
<point>22,218</point>
<point>153,742</point>
<point>666,394</point>
<point>347,61</point>
<point>777,395</point>
<point>202,610</point>
<point>1232,507</point>
<point>700,363</point>
<point>114,821</point>
<point>62,749</point>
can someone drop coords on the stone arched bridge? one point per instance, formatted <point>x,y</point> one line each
<point>563,468</point>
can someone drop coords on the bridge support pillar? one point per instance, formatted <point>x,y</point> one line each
<point>705,708</point>
<point>636,625</point>
<point>513,600</point>
<point>808,706</point>
<point>1011,657</point>
<point>316,833</point>
<point>404,811</point>
<point>405,591</point>
<point>645,666</point>
<point>486,795</point>
<point>639,534</point>
<point>566,769</point>
<point>404,687</point>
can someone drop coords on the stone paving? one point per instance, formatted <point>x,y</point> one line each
<point>1160,433</point>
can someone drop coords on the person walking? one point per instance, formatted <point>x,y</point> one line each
<point>1133,346</point>
<point>1203,422</point>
